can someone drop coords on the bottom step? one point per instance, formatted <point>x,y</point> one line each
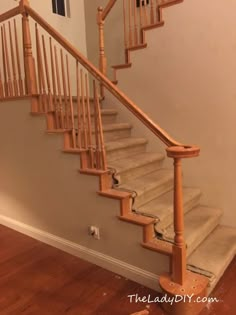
<point>214,255</point>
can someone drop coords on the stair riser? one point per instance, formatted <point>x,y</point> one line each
<point>190,204</point>
<point>124,152</point>
<point>204,233</point>
<point>139,171</point>
<point>106,119</point>
<point>116,134</point>
<point>154,193</point>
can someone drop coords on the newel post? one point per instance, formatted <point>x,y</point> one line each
<point>181,282</point>
<point>29,63</point>
<point>102,57</point>
<point>179,247</point>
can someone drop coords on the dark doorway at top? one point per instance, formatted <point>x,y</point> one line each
<point>142,1</point>
<point>58,7</point>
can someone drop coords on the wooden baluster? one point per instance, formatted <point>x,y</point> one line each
<point>145,12</point>
<point>49,96</point>
<point>96,130</point>
<point>102,57</point>
<point>67,119</point>
<point>61,113</point>
<point>9,79</point>
<point>125,25</point>
<point>152,13</point>
<point>141,20</point>
<point>85,133</point>
<point>90,146</point>
<point>30,73</point>
<point>6,92</point>
<point>71,105</point>
<point>15,85</point>
<point>1,86</point>
<point>79,135</point>
<point>21,88</point>
<point>157,10</point>
<point>101,145</point>
<point>135,23</point>
<point>130,24</point>
<point>41,76</point>
<point>54,100</point>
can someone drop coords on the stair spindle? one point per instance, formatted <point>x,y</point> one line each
<point>152,12</point>
<point>145,12</point>
<point>6,92</point>
<point>90,146</point>
<point>1,85</point>
<point>84,125</point>
<point>130,24</point>
<point>135,24</point>
<point>61,113</point>
<point>97,145</point>
<point>140,17</point>
<point>125,25</point>
<point>54,92</point>
<point>79,134</point>
<point>15,84</point>
<point>72,115</point>
<point>21,86</point>
<point>41,77</point>
<point>49,96</point>
<point>67,119</point>
<point>102,163</point>
<point>9,79</point>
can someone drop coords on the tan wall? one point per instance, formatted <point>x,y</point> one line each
<point>64,25</point>
<point>114,40</point>
<point>40,186</point>
<point>186,81</point>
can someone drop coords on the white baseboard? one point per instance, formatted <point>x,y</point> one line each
<point>117,266</point>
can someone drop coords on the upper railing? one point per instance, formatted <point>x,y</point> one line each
<point>136,16</point>
<point>55,71</point>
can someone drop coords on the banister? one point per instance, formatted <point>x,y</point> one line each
<point>131,106</point>
<point>10,14</point>
<point>108,8</point>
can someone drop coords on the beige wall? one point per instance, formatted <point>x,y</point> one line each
<point>114,40</point>
<point>186,81</point>
<point>40,186</point>
<point>64,25</point>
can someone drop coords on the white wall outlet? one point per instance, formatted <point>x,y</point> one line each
<point>94,232</point>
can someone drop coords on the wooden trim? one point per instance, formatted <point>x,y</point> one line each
<point>10,14</point>
<point>131,106</point>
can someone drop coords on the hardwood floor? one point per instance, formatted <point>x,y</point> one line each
<point>36,279</point>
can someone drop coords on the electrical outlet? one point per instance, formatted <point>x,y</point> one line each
<point>94,232</point>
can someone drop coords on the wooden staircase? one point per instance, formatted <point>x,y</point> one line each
<point>149,195</point>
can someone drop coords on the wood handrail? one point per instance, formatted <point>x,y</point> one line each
<point>10,14</point>
<point>131,106</point>
<point>108,8</point>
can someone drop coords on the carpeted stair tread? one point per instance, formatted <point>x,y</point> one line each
<point>162,207</point>
<point>199,223</point>
<point>116,126</point>
<point>213,255</point>
<point>136,165</point>
<point>104,111</point>
<point>150,186</point>
<point>124,143</point>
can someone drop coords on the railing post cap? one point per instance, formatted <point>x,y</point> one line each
<point>183,151</point>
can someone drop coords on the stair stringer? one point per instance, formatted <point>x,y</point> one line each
<point>50,204</point>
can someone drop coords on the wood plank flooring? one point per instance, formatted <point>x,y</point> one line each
<point>36,279</point>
